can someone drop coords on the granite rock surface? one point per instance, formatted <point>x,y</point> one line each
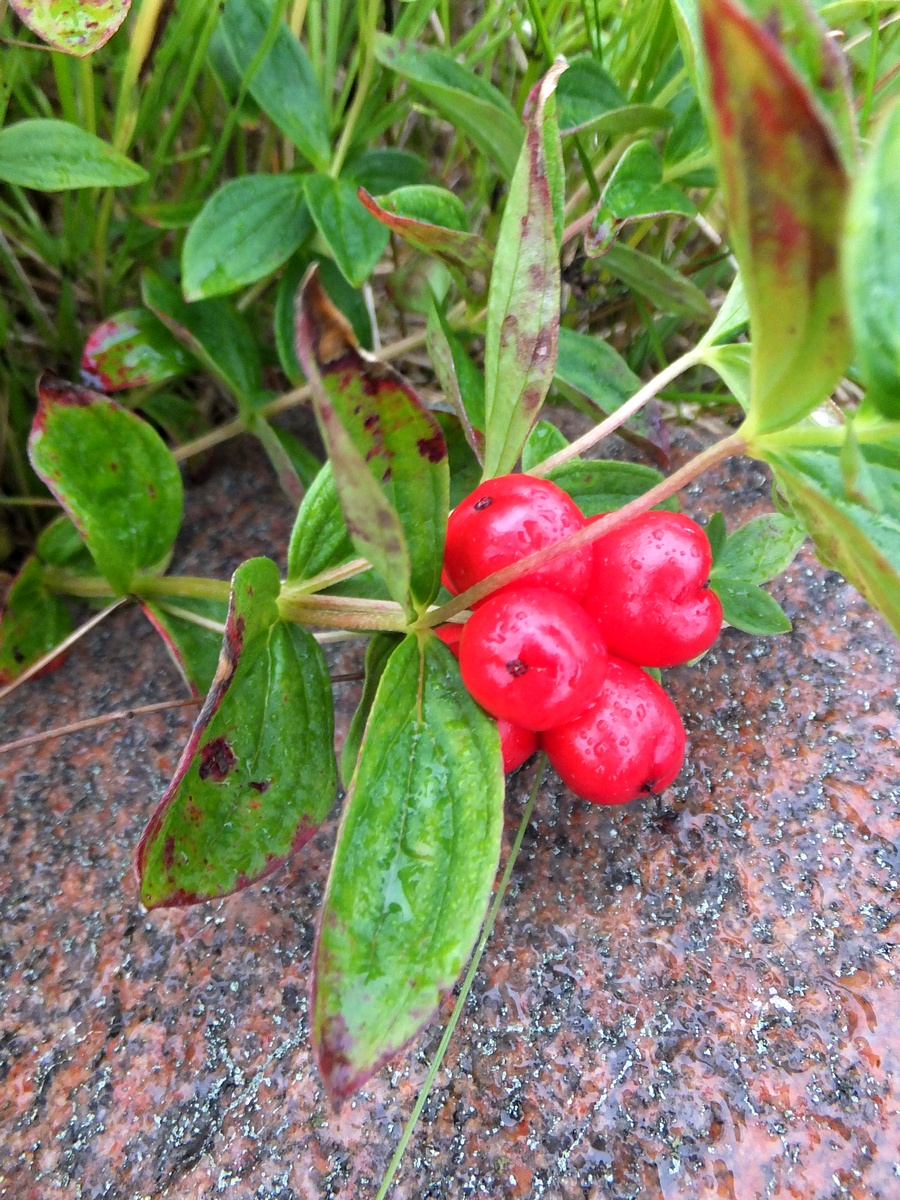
<point>701,1006</point>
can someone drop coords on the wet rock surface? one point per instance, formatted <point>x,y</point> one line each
<point>701,1006</point>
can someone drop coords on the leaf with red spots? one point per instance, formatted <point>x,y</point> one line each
<point>523,303</point>
<point>412,872</point>
<point>33,620</point>
<point>132,349</point>
<point>74,28</point>
<point>387,451</point>
<point>412,214</point>
<point>113,475</point>
<point>258,774</point>
<point>785,189</point>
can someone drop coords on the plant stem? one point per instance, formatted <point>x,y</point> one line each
<point>367,49</point>
<point>662,491</point>
<point>126,714</point>
<point>91,587</point>
<point>628,409</point>
<point>341,612</point>
<point>463,996</point>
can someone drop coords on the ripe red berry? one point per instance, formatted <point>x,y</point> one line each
<point>505,520</point>
<point>629,744</point>
<point>650,591</point>
<point>450,635</point>
<point>516,743</point>
<point>533,656</point>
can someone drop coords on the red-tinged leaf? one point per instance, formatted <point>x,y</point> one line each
<point>113,475</point>
<point>523,303</point>
<point>75,28</point>
<point>413,867</point>
<point>194,648</point>
<point>464,252</point>
<point>131,349</point>
<point>785,190</point>
<point>32,622</point>
<point>387,451</point>
<point>258,774</point>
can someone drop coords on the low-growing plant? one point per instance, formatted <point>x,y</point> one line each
<point>610,153</point>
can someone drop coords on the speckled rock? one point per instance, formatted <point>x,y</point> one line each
<point>704,1006</point>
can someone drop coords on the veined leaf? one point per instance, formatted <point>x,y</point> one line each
<point>77,29</point>
<point>635,191</point>
<point>665,288</point>
<point>378,652</point>
<point>413,868</point>
<point>348,299</point>
<point>387,451</point>
<point>193,648</point>
<point>603,485</point>
<point>353,236</point>
<point>469,103</point>
<point>543,441</point>
<point>245,231</point>
<point>523,303</point>
<point>56,156</point>
<point>258,775</point>
<point>591,366</point>
<point>464,252</point>
<point>32,622</point>
<point>856,531</point>
<point>461,381</point>
<point>589,99</point>
<point>732,318</point>
<point>872,268</point>
<point>747,607</point>
<point>113,475</point>
<point>213,330</point>
<point>319,540</point>
<point>759,550</point>
<point>284,84</point>
<point>131,349</point>
<point>785,190</point>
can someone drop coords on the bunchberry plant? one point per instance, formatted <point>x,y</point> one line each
<point>564,575</point>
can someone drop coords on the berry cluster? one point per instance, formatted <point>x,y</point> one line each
<point>557,656</point>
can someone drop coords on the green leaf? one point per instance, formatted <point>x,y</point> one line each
<point>76,29</point>
<point>178,417</point>
<point>603,485</point>
<point>635,191</point>
<point>212,330</point>
<point>523,303</point>
<point>55,156</point>
<point>132,349</point>
<point>245,231</point>
<point>545,439</point>
<point>665,288</point>
<point>717,533</point>
<point>348,299</point>
<point>872,268</point>
<point>378,652</point>
<point>759,550</point>
<point>284,84</point>
<point>461,381</point>
<point>383,169</point>
<point>785,190</point>
<point>469,103</point>
<point>258,775</point>
<point>589,99</point>
<point>32,622</point>
<point>414,216</point>
<point>591,366</point>
<point>861,540</point>
<point>320,539</point>
<point>113,475</point>
<point>748,607</point>
<point>61,545</point>
<point>387,451</point>
<point>413,868</point>
<point>732,318</point>
<point>733,365</point>
<point>355,238</point>
<point>193,648</point>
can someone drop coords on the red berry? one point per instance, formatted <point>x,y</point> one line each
<point>629,744</point>
<point>450,635</point>
<point>650,591</point>
<point>505,520</point>
<point>533,656</point>
<point>516,743</point>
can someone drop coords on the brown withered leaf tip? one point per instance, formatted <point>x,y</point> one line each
<point>332,335</point>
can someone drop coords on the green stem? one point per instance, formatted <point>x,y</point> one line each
<point>341,612</point>
<point>734,444</point>
<point>463,996</point>
<point>621,415</point>
<point>824,435</point>
<point>57,579</point>
<point>367,45</point>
